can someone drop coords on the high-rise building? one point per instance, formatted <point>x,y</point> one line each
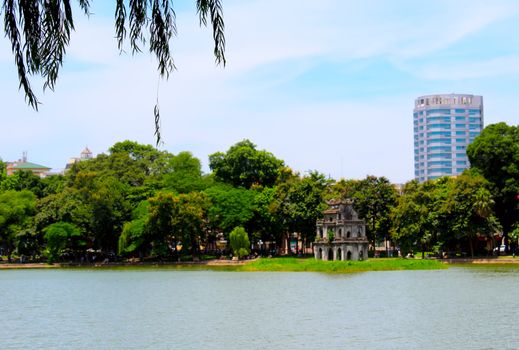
<point>444,125</point>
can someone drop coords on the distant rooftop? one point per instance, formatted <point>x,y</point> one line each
<point>27,165</point>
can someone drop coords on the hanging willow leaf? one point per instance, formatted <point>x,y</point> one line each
<point>39,32</point>
<point>156,113</point>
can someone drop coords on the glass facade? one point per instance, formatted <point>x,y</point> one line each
<point>451,122</point>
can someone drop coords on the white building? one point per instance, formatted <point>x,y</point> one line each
<point>444,125</point>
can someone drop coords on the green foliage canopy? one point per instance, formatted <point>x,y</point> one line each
<point>495,153</point>
<point>245,166</point>
<point>61,237</point>
<point>374,199</point>
<point>230,206</point>
<point>444,212</point>
<point>16,210</point>
<point>185,174</point>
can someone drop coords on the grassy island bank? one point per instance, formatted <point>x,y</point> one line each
<point>281,264</point>
<point>312,265</point>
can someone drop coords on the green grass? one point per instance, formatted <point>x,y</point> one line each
<point>288,264</point>
<point>312,265</point>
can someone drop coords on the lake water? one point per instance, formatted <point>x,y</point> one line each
<point>170,309</point>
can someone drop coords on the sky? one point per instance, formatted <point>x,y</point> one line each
<point>324,85</point>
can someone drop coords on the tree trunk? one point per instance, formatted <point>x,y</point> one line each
<point>471,248</point>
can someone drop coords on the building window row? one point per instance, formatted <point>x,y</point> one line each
<point>440,163</point>
<point>439,133</point>
<point>438,140</point>
<point>440,170</point>
<point>438,126</point>
<point>438,111</point>
<point>439,148</point>
<point>439,119</point>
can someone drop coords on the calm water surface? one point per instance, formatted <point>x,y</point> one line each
<point>170,309</point>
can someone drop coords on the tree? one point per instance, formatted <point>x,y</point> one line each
<point>514,239</point>
<point>176,218</point>
<point>131,163</point>
<point>190,221</point>
<point>39,32</point>
<point>239,240</point>
<point>134,236</point>
<point>230,207</point>
<point>469,208</point>
<point>185,174</point>
<point>53,184</point>
<point>268,222</point>
<point>160,224</point>
<point>495,153</point>
<point>16,209</point>
<point>342,189</point>
<point>109,211</point>
<point>66,206</point>
<point>3,171</point>
<point>444,213</point>
<point>245,166</point>
<point>146,158</point>
<point>23,180</point>
<point>416,219</point>
<point>61,237</point>
<point>374,199</point>
<point>301,202</point>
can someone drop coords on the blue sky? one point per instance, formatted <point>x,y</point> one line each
<point>325,85</point>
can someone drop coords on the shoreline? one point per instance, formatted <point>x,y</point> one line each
<point>481,261</point>
<point>216,262</point>
<point>232,263</point>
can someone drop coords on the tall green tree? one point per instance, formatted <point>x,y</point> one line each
<point>469,209</point>
<point>62,237</point>
<point>245,166</point>
<point>375,197</point>
<point>191,220</point>
<point>176,218</point>
<point>23,180</point>
<point>109,210</point>
<point>342,189</point>
<point>16,211</point>
<point>66,206</point>
<point>417,219</point>
<point>161,226</point>
<point>3,171</point>
<point>230,207</point>
<point>134,238</point>
<point>105,196</point>
<point>185,174</point>
<point>53,184</point>
<point>268,223</point>
<point>301,202</point>
<point>495,153</point>
<point>131,163</point>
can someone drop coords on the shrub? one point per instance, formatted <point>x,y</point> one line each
<point>239,240</point>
